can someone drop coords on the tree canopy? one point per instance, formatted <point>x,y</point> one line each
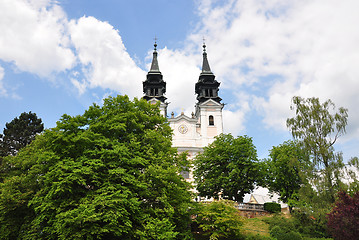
<point>318,126</point>
<point>20,132</point>
<point>227,167</point>
<point>110,173</point>
<point>283,169</point>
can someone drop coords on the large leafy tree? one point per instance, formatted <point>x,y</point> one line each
<point>227,167</point>
<point>283,169</point>
<point>110,173</point>
<point>20,132</point>
<point>318,126</point>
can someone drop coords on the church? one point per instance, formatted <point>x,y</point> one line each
<point>190,133</point>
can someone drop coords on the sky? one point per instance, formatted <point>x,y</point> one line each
<point>60,57</point>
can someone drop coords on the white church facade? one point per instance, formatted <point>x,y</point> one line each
<point>190,133</point>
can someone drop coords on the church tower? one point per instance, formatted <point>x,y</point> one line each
<point>190,133</point>
<point>193,133</point>
<point>154,87</point>
<point>209,106</point>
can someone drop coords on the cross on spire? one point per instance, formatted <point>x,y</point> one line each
<point>155,42</point>
<point>204,44</point>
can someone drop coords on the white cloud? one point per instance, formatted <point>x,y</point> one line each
<point>234,114</point>
<point>33,36</point>
<point>3,92</point>
<point>104,58</point>
<point>180,71</point>
<point>311,46</point>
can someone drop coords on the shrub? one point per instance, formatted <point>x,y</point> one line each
<point>219,220</point>
<point>258,237</point>
<point>283,234</point>
<point>272,207</point>
<point>343,220</point>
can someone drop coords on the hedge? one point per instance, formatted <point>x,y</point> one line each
<point>272,207</point>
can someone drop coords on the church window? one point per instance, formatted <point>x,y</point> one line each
<point>211,120</point>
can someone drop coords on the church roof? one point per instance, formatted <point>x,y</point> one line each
<point>154,65</point>
<point>205,65</point>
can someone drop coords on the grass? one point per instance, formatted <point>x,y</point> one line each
<point>255,226</point>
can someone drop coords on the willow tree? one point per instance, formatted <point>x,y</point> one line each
<point>318,126</point>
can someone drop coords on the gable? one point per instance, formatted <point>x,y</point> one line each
<point>211,103</point>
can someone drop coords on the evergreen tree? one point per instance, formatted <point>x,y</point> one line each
<point>20,132</point>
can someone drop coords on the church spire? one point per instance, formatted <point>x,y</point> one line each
<point>207,86</point>
<point>154,86</point>
<point>205,65</point>
<point>154,64</point>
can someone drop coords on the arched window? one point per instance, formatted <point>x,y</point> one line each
<point>211,120</point>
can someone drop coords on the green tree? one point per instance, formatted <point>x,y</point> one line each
<point>20,132</point>
<point>219,220</point>
<point>110,173</point>
<point>318,126</point>
<point>227,167</point>
<point>283,170</point>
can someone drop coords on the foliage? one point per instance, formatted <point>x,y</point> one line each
<point>110,173</point>
<point>219,220</point>
<point>282,234</point>
<point>299,223</point>
<point>343,220</point>
<point>258,237</point>
<point>19,132</point>
<point>318,126</point>
<point>352,172</point>
<point>227,167</point>
<point>283,169</point>
<point>272,207</point>
<point>309,225</point>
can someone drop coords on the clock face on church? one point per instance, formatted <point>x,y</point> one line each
<point>183,129</point>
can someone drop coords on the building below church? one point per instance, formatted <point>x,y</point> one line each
<point>190,133</point>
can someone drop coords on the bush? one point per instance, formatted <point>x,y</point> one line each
<point>308,226</point>
<point>343,220</point>
<point>272,207</point>
<point>219,220</point>
<point>258,237</point>
<point>283,234</point>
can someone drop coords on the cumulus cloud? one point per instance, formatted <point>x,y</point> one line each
<point>33,36</point>
<point>104,59</point>
<point>37,37</point>
<point>306,48</point>
<point>180,70</point>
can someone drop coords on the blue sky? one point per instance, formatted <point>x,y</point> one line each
<point>61,56</point>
